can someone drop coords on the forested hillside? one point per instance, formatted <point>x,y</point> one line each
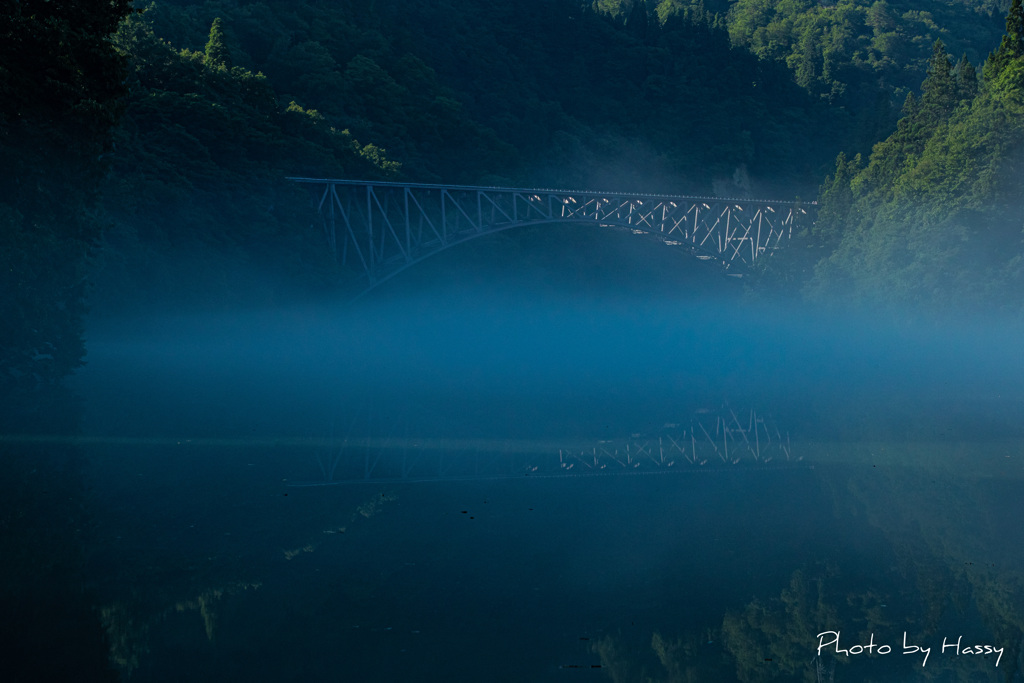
<point>229,98</point>
<point>61,90</point>
<point>167,137</point>
<point>542,93</point>
<point>846,51</point>
<point>933,219</point>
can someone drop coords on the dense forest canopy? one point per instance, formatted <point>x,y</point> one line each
<point>933,219</point>
<point>61,90</point>
<point>227,99</point>
<point>168,132</point>
<point>845,51</point>
<point>546,93</point>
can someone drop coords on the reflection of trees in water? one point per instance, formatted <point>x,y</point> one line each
<point>41,516</point>
<point>366,510</point>
<point>690,658</point>
<point>49,629</point>
<point>773,638</point>
<point>952,512</point>
<point>129,621</point>
<point>128,630</point>
<point>129,638</point>
<point>937,517</point>
<point>824,672</point>
<point>953,568</point>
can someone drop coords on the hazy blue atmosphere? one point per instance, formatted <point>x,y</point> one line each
<point>892,513</point>
<point>305,376</point>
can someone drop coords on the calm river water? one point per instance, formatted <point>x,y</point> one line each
<point>531,489</point>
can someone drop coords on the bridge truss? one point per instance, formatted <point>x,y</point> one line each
<point>379,228</point>
<point>711,442</point>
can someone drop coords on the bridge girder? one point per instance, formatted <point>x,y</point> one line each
<point>381,228</point>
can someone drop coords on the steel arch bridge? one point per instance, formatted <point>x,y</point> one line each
<point>381,228</point>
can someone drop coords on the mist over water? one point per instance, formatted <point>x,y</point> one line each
<point>504,363</point>
<point>903,437</point>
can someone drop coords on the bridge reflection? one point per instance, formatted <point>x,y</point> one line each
<point>709,441</point>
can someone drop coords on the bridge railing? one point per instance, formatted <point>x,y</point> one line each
<point>382,228</point>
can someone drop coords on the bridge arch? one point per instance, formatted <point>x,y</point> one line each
<point>380,229</point>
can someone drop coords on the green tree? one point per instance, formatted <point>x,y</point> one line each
<point>217,53</point>
<point>936,212</point>
<point>638,21</point>
<point>938,91</point>
<point>966,77</point>
<point>196,179</point>
<point>836,199</point>
<point>1012,45</point>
